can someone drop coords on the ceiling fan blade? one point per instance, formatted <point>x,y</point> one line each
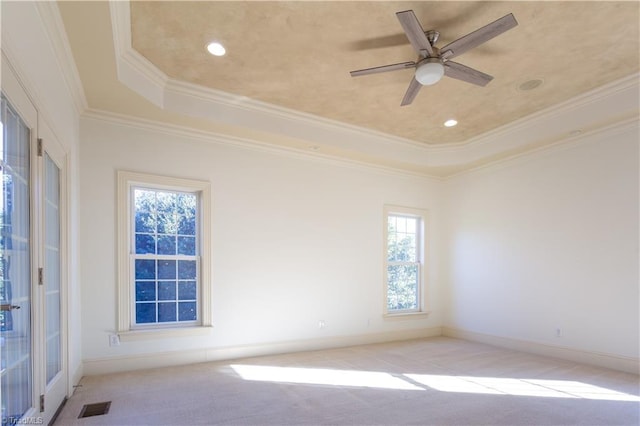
<point>464,73</point>
<point>380,42</point>
<point>412,91</point>
<point>383,68</point>
<point>414,32</point>
<point>479,36</point>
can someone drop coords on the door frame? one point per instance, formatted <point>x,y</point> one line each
<point>18,95</point>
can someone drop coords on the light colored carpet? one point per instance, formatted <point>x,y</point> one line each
<point>437,381</point>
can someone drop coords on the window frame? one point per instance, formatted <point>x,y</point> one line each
<point>422,254</point>
<point>127,329</point>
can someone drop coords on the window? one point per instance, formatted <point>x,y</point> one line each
<point>404,289</point>
<point>165,261</point>
<point>164,253</point>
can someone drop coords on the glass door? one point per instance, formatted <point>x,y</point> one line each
<point>52,268</point>
<point>51,174</point>
<point>16,272</point>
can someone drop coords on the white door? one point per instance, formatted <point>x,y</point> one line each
<point>52,246</point>
<point>33,374</point>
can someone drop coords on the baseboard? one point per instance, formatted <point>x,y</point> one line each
<point>614,362</point>
<point>74,379</point>
<point>166,359</point>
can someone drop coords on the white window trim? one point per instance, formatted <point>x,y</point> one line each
<point>127,180</point>
<point>423,308</point>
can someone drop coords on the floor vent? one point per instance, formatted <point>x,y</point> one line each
<point>97,409</point>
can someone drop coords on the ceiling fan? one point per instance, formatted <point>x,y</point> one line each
<point>435,62</point>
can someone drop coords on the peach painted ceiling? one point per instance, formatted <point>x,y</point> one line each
<point>298,54</point>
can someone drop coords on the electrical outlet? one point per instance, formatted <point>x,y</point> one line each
<point>321,324</point>
<point>114,340</point>
<point>558,332</point>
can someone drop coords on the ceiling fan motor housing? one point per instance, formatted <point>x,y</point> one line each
<point>432,36</point>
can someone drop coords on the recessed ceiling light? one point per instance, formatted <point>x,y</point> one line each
<point>450,123</point>
<point>216,49</point>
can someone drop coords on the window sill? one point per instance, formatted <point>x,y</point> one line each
<point>406,316</point>
<point>163,333</point>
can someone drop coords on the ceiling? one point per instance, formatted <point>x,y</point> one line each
<point>296,56</point>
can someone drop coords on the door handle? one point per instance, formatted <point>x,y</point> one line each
<point>8,307</point>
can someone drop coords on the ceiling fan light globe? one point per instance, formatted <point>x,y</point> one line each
<point>429,73</point>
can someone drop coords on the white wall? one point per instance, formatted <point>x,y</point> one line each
<point>32,44</point>
<point>294,240</point>
<point>550,241</point>
<point>518,250</point>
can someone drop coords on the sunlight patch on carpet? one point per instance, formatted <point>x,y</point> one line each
<point>443,383</point>
<point>322,376</point>
<point>520,387</point>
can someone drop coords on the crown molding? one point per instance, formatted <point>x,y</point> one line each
<point>54,27</point>
<point>248,144</point>
<point>142,76</point>
<point>600,107</point>
<point>34,85</point>
<point>602,133</point>
<point>251,105</point>
<point>625,85</point>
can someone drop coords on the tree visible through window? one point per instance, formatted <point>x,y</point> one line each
<point>165,259</point>
<point>403,262</point>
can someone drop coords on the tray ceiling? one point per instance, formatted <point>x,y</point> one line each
<point>298,55</point>
<point>285,78</point>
